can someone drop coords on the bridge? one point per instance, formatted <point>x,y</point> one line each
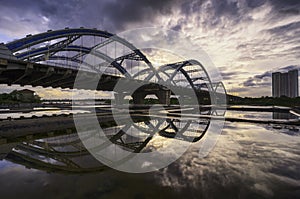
<point>98,60</point>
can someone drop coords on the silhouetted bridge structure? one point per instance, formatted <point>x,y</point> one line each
<point>98,60</point>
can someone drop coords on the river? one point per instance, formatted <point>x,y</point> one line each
<point>249,160</point>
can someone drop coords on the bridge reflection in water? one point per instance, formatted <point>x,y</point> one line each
<point>63,151</point>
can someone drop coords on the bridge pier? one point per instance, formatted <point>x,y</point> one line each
<point>138,97</point>
<point>163,96</point>
<point>162,93</point>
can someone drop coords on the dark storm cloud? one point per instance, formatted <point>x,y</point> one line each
<point>255,3</point>
<point>115,15</point>
<point>286,28</point>
<point>253,83</point>
<point>258,80</point>
<point>266,74</point>
<point>122,12</point>
<point>236,10</point>
<point>291,11</point>
<point>218,7</point>
<point>112,15</point>
<point>286,6</point>
<point>265,78</point>
<point>287,68</point>
<point>282,9</point>
<point>247,30</point>
<point>214,8</point>
<point>230,75</point>
<point>279,7</point>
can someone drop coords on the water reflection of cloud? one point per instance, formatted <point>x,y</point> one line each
<point>248,161</point>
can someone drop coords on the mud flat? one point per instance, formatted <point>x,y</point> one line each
<point>17,129</point>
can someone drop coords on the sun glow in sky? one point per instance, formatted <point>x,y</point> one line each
<point>245,39</point>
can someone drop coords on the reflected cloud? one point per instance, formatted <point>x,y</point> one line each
<point>253,161</point>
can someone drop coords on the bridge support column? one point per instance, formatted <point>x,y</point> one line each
<point>138,97</point>
<point>162,95</point>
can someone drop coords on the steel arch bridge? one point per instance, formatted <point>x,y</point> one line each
<point>100,52</point>
<point>112,55</point>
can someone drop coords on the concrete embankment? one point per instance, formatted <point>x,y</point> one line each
<point>36,127</point>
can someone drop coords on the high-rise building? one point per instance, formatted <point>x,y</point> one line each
<point>276,84</point>
<point>293,83</point>
<point>285,84</point>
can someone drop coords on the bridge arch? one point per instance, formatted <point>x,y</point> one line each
<point>41,48</point>
<point>70,47</point>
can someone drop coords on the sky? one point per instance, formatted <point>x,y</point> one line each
<point>246,39</point>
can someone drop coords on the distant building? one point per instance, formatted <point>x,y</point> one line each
<point>293,83</point>
<point>285,84</point>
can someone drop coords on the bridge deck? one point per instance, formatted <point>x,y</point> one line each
<point>34,74</point>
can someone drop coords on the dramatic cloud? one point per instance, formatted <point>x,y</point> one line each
<point>265,79</point>
<point>258,80</point>
<point>109,15</point>
<point>244,38</point>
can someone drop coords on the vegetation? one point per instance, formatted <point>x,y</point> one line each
<point>11,98</point>
<point>267,101</point>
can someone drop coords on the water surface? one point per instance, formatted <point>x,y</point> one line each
<point>248,161</point>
